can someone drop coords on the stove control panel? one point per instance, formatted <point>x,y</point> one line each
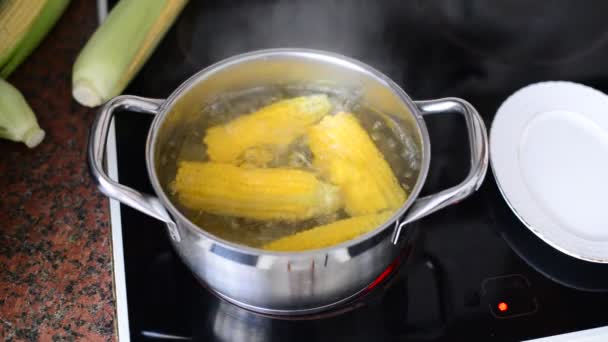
<point>509,296</point>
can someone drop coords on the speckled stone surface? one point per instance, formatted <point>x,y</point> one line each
<point>55,246</point>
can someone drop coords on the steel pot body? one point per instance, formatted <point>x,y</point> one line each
<point>277,282</point>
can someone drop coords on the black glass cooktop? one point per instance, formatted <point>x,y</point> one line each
<point>475,273</point>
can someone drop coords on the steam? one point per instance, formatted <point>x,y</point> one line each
<point>353,28</point>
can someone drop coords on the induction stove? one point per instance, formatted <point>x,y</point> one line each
<point>475,272</point>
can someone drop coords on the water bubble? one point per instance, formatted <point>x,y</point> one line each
<point>234,224</point>
<point>414,165</point>
<point>377,125</point>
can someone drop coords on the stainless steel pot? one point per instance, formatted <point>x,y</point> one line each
<point>278,282</point>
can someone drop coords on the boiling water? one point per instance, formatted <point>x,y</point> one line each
<point>400,149</point>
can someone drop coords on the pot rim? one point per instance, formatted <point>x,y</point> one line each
<point>313,54</point>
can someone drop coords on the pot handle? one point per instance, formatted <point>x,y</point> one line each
<point>478,144</point>
<point>145,203</point>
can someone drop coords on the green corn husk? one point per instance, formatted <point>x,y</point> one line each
<point>17,120</point>
<point>26,23</point>
<point>119,48</point>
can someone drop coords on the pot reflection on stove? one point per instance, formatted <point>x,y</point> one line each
<point>405,303</point>
<point>386,312</point>
<point>231,323</point>
<point>162,336</point>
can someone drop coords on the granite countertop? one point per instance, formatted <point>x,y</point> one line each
<point>55,246</point>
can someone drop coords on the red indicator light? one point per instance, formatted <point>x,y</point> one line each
<point>502,306</point>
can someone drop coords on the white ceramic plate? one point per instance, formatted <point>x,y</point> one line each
<point>549,154</point>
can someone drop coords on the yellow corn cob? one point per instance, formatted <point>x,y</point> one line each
<point>329,234</point>
<point>265,194</point>
<point>347,156</point>
<point>277,124</point>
